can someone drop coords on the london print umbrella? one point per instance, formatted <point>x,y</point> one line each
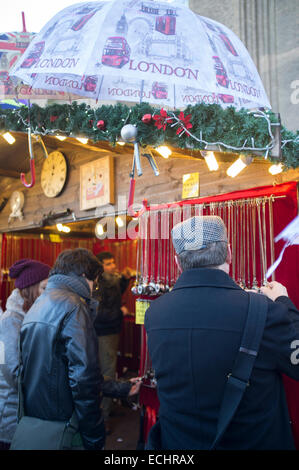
<point>161,53</point>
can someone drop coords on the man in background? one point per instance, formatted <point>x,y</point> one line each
<point>108,324</point>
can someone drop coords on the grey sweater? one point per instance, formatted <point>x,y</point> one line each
<point>10,324</point>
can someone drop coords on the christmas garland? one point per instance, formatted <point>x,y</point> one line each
<point>198,127</point>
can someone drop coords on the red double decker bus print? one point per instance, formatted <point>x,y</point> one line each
<point>116,52</point>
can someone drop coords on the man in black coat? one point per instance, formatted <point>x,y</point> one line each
<point>108,324</point>
<point>60,371</point>
<point>194,333</point>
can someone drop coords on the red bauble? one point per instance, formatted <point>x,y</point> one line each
<point>53,118</point>
<point>147,118</point>
<point>101,124</point>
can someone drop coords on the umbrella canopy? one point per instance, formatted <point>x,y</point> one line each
<point>161,53</point>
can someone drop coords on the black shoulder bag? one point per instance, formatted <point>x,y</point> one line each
<point>39,434</point>
<point>238,379</point>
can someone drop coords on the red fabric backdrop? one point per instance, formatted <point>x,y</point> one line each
<point>285,210</point>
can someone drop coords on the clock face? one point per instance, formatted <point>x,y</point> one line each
<point>53,175</point>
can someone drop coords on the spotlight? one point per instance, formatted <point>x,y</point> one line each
<point>119,221</point>
<point>63,228</point>
<point>9,138</point>
<point>164,151</point>
<point>99,230</point>
<point>210,160</point>
<point>83,140</point>
<point>275,169</point>
<point>239,165</point>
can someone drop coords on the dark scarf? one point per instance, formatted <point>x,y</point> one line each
<point>76,284</point>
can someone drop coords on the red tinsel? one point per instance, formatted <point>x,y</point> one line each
<point>162,119</point>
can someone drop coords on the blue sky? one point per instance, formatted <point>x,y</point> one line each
<point>37,14</point>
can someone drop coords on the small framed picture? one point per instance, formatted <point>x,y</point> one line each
<point>97,183</point>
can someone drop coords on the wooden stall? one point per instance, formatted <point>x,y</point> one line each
<point>29,216</point>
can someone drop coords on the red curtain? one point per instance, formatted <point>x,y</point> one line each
<point>285,209</point>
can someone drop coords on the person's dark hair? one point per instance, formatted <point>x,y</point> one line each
<point>104,255</point>
<point>78,261</point>
<point>29,294</point>
<point>212,256</point>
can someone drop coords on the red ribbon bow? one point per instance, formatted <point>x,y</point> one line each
<point>162,119</point>
<point>186,123</point>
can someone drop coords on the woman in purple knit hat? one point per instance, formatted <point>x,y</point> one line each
<point>30,280</point>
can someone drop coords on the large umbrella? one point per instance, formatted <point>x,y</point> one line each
<point>161,53</point>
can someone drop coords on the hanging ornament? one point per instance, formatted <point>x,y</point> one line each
<point>146,118</point>
<point>53,118</point>
<point>90,123</point>
<point>101,125</point>
<point>129,134</point>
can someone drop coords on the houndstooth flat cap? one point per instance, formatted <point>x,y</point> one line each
<point>198,232</point>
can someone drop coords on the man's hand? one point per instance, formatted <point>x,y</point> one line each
<point>125,310</point>
<point>136,381</point>
<point>273,290</point>
<point>128,272</point>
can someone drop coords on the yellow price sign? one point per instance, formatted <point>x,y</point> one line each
<point>141,307</point>
<point>54,238</point>
<point>190,185</point>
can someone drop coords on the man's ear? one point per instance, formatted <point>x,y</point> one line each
<point>178,263</point>
<point>229,254</point>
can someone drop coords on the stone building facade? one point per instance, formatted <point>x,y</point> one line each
<point>269,30</point>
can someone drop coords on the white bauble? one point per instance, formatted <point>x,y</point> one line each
<point>129,133</point>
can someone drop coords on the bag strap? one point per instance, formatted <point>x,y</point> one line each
<point>21,411</point>
<point>238,379</point>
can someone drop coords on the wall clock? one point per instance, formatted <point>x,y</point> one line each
<point>53,174</point>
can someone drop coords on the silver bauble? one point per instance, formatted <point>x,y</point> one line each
<point>129,133</point>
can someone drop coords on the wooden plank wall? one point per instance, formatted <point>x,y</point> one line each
<point>167,187</point>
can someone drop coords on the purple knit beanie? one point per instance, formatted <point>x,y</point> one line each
<point>28,272</point>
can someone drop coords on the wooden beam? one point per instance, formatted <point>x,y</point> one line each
<point>9,173</point>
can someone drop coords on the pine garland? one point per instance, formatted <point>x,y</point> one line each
<point>210,123</point>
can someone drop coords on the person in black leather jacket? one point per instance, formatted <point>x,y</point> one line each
<point>59,350</point>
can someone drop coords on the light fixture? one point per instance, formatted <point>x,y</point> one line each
<point>99,230</point>
<point>119,221</point>
<point>210,160</point>
<point>164,151</point>
<point>63,228</point>
<point>275,169</point>
<point>60,137</point>
<point>239,165</point>
<point>9,138</point>
<point>83,140</point>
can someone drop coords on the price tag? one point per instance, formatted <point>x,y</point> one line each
<point>141,307</point>
<point>190,185</point>
<point>54,238</point>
